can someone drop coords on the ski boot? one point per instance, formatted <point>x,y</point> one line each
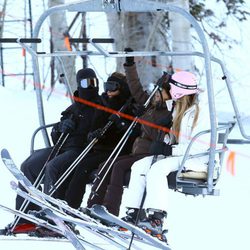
<point>162,236</point>
<point>87,211</point>
<point>20,228</point>
<point>132,216</point>
<point>153,224</point>
<point>43,232</point>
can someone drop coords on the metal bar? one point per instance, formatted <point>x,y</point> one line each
<point>22,40</point>
<point>38,88</point>
<point>94,40</point>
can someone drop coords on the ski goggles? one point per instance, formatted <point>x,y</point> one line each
<point>89,83</point>
<point>111,86</point>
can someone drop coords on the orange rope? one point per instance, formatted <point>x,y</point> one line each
<point>67,43</point>
<point>231,163</point>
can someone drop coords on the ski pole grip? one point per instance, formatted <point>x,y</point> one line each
<point>22,40</point>
<point>162,79</point>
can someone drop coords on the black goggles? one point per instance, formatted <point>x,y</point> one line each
<point>111,86</point>
<point>89,83</point>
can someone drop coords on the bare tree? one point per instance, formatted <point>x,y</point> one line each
<point>58,23</point>
<point>152,31</point>
<point>2,15</point>
<point>181,38</point>
<point>161,31</point>
<point>141,31</point>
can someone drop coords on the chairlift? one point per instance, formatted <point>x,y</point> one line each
<point>187,183</point>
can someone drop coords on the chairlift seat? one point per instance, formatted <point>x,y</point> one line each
<point>196,182</point>
<point>188,182</point>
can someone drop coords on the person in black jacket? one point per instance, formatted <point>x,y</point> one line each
<point>108,189</point>
<point>76,122</point>
<point>116,95</point>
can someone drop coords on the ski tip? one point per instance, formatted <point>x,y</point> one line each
<point>99,207</point>
<point>4,152</point>
<point>13,185</point>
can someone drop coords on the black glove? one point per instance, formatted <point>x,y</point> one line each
<point>67,125</point>
<point>138,110</point>
<point>160,148</point>
<point>118,121</point>
<point>163,82</point>
<point>95,134</point>
<point>129,60</point>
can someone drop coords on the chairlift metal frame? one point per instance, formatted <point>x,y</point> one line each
<point>136,6</point>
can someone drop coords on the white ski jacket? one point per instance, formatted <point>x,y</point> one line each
<point>153,178</point>
<point>202,144</point>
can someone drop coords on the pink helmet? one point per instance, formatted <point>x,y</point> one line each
<point>182,83</point>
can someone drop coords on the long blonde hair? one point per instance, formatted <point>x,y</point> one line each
<point>183,104</point>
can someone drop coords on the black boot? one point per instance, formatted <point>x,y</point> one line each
<point>132,214</point>
<point>113,198</point>
<point>20,228</point>
<point>154,222</point>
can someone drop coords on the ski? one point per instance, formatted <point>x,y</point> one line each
<point>31,218</point>
<point>100,230</point>
<point>41,199</point>
<point>67,232</point>
<point>103,214</point>
<point>64,229</point>
<point>25,182</point>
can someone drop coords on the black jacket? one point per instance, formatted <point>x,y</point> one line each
<point>83,115</point>
<point>114,133</point>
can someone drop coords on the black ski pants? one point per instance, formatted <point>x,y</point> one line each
<point>110,190</point>
<point>33,165</point>
<point>77,186</point>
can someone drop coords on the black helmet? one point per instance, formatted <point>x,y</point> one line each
<point>117,81</point>
<point>87,84</point>
<point>86,78</point>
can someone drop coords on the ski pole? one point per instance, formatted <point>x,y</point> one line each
<point>121,145</point>
<point>55,151</point>
<point>40,176</point>
<point>84,152</point>
<point>116,150</point>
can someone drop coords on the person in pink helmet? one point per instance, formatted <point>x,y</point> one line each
<point>189,118</point>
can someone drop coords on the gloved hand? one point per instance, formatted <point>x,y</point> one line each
<point>67,125</point>
<point>95,134</point>
<point>160,148</point>
<point>118,121</point>
<point>129,60</point>
<point>114,118</point>
<point>164,79</point>
<point>138,110</point>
